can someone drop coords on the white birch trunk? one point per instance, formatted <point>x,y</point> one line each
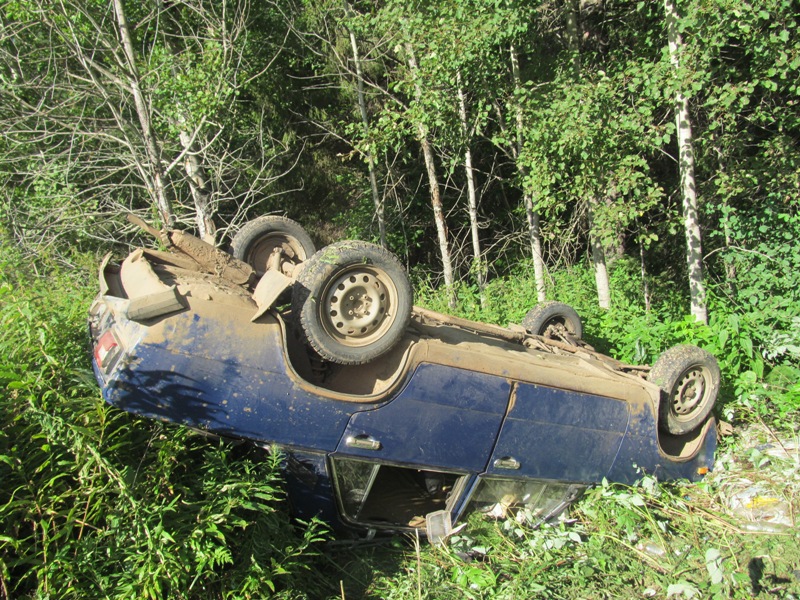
<point>472,197</point>
<point>362,105</point>
<point>534,231</point>
<point>598,263</point>
<point>694,248</point>
<point>195,174</point>
<point>200,191</point>
<point>433,182</point>
<point>155,182</point>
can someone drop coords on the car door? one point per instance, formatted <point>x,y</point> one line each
<point>445,417</point>
<point>400,462</point>
<point>559,435</point>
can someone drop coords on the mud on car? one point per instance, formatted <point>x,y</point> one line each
<point>390,416</point>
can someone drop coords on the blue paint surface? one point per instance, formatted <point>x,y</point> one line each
<point>203,379</point>
<point>309,486</point>
<point>639,454</point>
<point>445,417</point>
<point>561,435</point>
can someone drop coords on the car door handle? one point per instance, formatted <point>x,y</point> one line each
<point>507,462</point>
<point>363,442</point>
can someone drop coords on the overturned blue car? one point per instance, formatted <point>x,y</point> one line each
<point>391,417</point>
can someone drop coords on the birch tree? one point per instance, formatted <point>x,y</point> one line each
<point>154,176</point>
<point>532,215</point>
<point>688,188</point>
<point>433,179</point>
<point>377,201</point>
<point>597,254</point>
<point>455,41</point>
<point>479,264</point>
<point>587,144</point>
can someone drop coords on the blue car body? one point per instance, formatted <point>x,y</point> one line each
<point>449,421</point>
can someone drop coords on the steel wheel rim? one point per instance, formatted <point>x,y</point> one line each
<point>260,251</point>
<point>690,391</point>
<point>358,306</point>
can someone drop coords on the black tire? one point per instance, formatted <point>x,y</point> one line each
<point>257,239</point>
<point>370,319</point>
<point>689,378</point>
<point>552,320</point>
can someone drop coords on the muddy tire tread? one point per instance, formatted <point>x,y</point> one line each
<point>537,318</point>
<point>669,369</point>
<point>252,232</point>
<point>321,269</point>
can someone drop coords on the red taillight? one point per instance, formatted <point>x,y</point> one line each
<point>106,350</point>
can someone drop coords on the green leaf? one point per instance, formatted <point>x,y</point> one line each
<point>714,565</point>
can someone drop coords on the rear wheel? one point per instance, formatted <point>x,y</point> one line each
<point>689,378</point>
<point>353,301</point>
<point>554,320</point>
<point>258,239</point>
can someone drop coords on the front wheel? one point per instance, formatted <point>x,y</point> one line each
<point>353,301</point>
<point>689,378</point>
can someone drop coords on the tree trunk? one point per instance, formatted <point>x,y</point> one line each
<point>615,250</point>
<point>195,174</point>
<point>645,285</point>
<point>438,213</point>
<point>694,251</point>
<point>730,265</point>
<point>598,251</point>
<point>479,264</point>
<point>535,235</point>
<point>534,230</point>
<point>199,187</point>
<point>598,262</point>
<point>362,105</point>
<point>433,182</point>
<point>155,182</point>
<point>573,37</point>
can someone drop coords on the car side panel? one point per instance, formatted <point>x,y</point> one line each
<point>192,370</point>
<point>445,418</point>
<point>560,435</point>
<point>640,452</point>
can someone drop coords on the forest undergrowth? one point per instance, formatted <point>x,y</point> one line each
<point>96,503</point>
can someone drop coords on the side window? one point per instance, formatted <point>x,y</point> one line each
<point>538,500</point>
<point>370,493</point>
